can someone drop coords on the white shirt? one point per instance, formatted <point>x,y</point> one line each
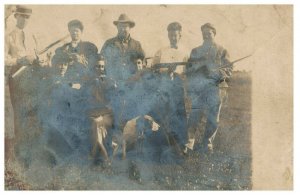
<point>169,55</point>
<point>18,43</point>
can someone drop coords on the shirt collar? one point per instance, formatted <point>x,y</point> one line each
<point>18,30</point>
<point>208,44</point>
<point>75,43</point>
<point>174,47</point>
<point>126,40</point>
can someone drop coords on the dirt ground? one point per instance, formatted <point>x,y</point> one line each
<point>228,168</point>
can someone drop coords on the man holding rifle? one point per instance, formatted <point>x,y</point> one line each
<point>174,52</point>
<point>21,86</point>
<point>206,81</point>
<point>171,114</point>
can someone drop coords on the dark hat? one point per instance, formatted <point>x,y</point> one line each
<point>123,18</point>
<point>210,26</point>
<point>174,26</point>
<point>75,23</point>
<point>23,10</point>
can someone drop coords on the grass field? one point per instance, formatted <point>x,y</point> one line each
<point>228,168</point>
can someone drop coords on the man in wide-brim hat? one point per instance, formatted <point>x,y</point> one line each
<point>123,18</point>
<point>121,54</point>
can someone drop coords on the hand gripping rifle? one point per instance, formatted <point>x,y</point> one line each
<point>37,53</point>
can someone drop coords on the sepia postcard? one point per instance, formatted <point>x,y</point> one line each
<point>148,97</point>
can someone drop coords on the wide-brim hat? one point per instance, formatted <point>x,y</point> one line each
<point>123,18</point>
<point>23,10</point>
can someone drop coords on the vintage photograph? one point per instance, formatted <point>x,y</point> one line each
<point>147,97</point>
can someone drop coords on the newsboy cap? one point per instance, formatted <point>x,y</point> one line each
<point>210,26</point>
<point>75,23</point>
<point>23,10</point>
<point>123,18</point>
<point>174,26</point>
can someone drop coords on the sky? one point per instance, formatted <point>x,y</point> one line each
<point>241,29</point>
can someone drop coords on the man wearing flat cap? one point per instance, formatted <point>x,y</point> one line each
<point>206,86</point>
<point>120,55</point>
<point>21,81</point>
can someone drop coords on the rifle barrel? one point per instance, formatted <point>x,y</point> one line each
<point>167,64</point>
<point>241,59</point>
<point>51,45</point>
<point>39,53</point>
<point>235,61</point>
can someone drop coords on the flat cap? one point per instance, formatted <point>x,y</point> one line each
<point>210,26</point>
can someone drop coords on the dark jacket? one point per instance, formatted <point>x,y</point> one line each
<point>119,57</point>
<point>207,70</point>
<point>87,50</point>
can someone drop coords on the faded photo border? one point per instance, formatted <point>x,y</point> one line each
<point>275,116</point>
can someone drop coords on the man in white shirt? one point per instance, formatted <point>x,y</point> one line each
<point>21,82</point>
<point>171,114</point>
<point>174,52</point>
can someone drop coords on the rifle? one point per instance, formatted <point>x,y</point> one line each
<point>37,53</point>
<point>230,65</point>
<point>172,65</point>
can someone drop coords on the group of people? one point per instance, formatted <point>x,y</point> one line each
<point>91,104</point>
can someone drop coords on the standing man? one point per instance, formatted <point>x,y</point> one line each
<point>121,54</point>
<point>82,54</point>
<point>206,86</point>
<point>172,117</point>
<point>21,80</point>
<point>174,52</point>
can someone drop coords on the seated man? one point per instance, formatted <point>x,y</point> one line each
<point>100,114</point>
<point>56,113</point>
